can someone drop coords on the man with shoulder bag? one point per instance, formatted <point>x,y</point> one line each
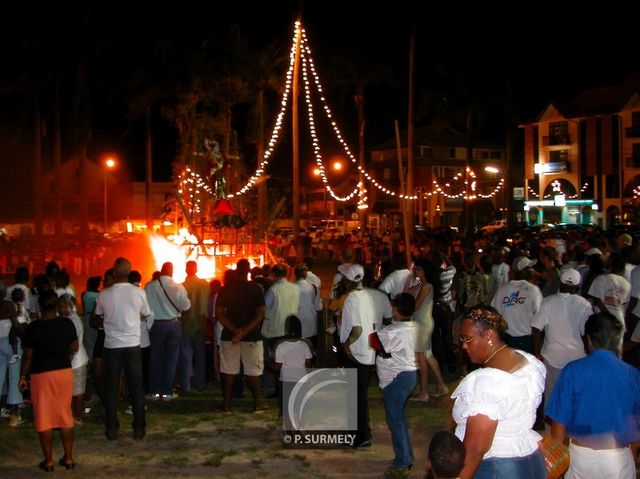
<point>168,300</point>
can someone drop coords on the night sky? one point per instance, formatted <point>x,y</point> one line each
<point>543,50</point>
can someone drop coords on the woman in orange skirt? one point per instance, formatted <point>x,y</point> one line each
<point>48,345</point>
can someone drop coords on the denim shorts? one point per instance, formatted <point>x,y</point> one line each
<point>527,467</point>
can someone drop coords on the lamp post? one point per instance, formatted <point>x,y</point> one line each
<point>109,164</point>
<point>316,172</point>
<point>336,166</point>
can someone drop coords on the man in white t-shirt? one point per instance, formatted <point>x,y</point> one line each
<point>309,305</point>
<point>561,318</point>
<point>517,302</point>
<point>392,285</point>
<point>355,327</point>
<point>381,303</point>
<point>120,309</point>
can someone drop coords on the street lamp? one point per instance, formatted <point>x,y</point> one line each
<point>109,164</point>
<point>317,172</point>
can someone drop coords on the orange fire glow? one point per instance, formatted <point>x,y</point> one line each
<point>211,258</point>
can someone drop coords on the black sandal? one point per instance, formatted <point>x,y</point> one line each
<point>67,465</point>
<point>44,467</point>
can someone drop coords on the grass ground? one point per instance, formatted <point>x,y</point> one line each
<point>187,437</point>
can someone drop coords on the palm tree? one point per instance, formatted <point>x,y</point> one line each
<point>264,69</point>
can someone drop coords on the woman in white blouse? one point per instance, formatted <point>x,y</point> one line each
<point>495,406</point>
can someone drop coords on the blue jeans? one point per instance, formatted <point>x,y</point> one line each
<point>131,360</point>
<point>191,354</point>
<point>14,396</point>
<point>395,399</point>
<point>528,467</point>
<point>165,348</point>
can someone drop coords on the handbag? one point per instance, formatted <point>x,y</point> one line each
<point>556,456</point>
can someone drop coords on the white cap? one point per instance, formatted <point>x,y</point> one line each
<point>353,272</point>
<point>591,251</point>
<point>521,263</point>
<point>570,277</point>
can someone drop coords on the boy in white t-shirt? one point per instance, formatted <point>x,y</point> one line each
<point>293,355</point>
<point>396,368</point>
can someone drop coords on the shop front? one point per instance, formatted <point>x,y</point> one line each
<point>560,210</point>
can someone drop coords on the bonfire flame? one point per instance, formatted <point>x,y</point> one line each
<point>183,247</point>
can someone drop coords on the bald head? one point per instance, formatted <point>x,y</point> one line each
<point>121,269</point>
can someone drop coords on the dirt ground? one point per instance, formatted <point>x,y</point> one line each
<point>188,438</point>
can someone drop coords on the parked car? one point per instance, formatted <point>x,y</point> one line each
<point>495,225</point>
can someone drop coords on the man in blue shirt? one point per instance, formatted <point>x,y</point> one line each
<point>596,403</point>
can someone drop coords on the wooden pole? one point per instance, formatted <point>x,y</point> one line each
<point>403,203</point>
<point>295,139</point>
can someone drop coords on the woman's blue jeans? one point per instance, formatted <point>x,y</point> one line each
<point>527,467</point>
<point>395,399</point>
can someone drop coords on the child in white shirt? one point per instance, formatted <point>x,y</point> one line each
<point>293,356</point>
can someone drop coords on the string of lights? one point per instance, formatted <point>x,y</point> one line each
<point>329,115</point>
<point>314,136</point>
<point>360,191</point>
<point>275,134</point>
<point>191,184</point>
<point>559,191</point>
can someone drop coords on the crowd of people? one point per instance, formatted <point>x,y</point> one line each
<point>514,321</point>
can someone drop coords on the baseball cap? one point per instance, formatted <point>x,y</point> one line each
<point>591,251</point>
<point>521,263</point>
<point>353,272</point>
<point>570,277</point>
<point>626,239</point>
<point>343,267</point>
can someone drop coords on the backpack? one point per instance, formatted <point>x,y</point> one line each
<point>472,291</point>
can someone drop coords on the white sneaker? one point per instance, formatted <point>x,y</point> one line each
<point>129,410</point>
<point>5,412</point>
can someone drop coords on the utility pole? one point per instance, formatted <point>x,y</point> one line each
<point>262,186</point>
<point>410,128</point>
<point>57,159</point>
<point>148,172</point>
<point>37,168</point>
<point>362,212</point>
<point>403,202</point>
